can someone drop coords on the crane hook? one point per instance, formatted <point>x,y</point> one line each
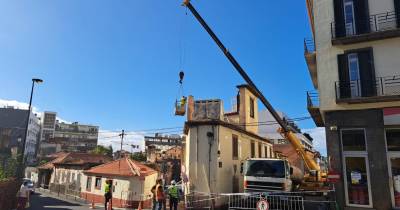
<point>181,75</point>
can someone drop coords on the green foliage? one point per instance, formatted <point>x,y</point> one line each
<point>139,156</point>
<point>102,150</point>
<point>8,167</point>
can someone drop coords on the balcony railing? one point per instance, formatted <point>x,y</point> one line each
<point>309,46</point>
<point>357,89</point>
<point>375,23</point>
<point>312,99</point>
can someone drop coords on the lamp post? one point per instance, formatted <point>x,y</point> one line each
<point>21,161</point>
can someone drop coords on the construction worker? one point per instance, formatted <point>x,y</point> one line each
<point>107,193</point>
<point>160,195</point>
<point>173,196</point>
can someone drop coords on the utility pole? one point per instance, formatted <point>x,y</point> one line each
<point>120,151</point>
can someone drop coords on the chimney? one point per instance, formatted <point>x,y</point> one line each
<point>190,108</point>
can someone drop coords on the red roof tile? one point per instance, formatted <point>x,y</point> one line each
<point>76,159</point>
<point>122,167</point>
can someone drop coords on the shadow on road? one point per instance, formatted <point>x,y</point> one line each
<point>43,201</point>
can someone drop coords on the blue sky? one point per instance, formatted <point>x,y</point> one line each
<point>116,63</point>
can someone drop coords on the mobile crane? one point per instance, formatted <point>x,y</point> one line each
<point>313,180</point>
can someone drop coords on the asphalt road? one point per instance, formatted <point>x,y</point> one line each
<point>50,202</point>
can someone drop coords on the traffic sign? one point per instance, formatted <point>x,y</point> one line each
<point>262,205</point>
<point>333,177</point>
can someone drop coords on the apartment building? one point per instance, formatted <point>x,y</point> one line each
<point>59,136</point>
<point>354,63</point>
<point>217,143</point>
<point>12,132</point>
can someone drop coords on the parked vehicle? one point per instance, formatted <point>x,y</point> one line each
<point>30,185</point>
<point>270,174</point>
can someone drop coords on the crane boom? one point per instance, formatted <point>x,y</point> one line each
<point>285,131</point>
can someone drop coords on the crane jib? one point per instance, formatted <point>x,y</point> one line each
<point>237,66</point>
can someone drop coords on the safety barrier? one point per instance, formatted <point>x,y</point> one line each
<point>322,200</point>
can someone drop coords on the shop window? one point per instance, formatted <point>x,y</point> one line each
<point>235,147</point>
<point>353,140</point>
<point>393,139</point>
<point>357,181</point>
<point>97,183</point>
<point>89,183</point>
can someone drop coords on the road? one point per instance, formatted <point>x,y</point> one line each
<point>45,201</point>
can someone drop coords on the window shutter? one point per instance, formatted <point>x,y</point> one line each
<point>361,11</point>
<point>397,10</point>
<point>367,73</point>
<point>339,26</point>
<point>343,86</point>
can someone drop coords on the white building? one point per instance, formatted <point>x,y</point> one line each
<point>354,63</point>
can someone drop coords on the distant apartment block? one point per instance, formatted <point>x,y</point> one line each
<point>12,133</point>
<point>59,136</point>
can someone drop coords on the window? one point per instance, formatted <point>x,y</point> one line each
<point>266,152</point>
<point>251,107</point>
<point>89,183</point>
<point>259,150</point>
<point>97,183</point>
<point>357,181</point>
<point>253,149</point>
<point>393,139</point>
<point>235,147</point>
<point>353,140</point>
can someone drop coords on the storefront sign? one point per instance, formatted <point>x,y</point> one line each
<point>333,177</point>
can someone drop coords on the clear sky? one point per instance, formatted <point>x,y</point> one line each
<point>115,63</point>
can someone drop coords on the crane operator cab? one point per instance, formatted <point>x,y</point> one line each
<point>180,104</point>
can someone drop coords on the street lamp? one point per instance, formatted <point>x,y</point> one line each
<point>22,158</point>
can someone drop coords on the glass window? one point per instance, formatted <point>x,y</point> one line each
<point>253,155</point>
<point>357,181</point>
<point>89,183</point>
<point>251,107</point>
<point>97,184</point>
<point>259,150</point>
<point>393,140</point>
<point>353,140</point>
<point>266,152</point>
<point>235,147</point>
<point>395,169</point>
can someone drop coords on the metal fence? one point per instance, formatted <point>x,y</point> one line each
<point>198,201</point>
<point>275,202</point>
<point>374,23</point>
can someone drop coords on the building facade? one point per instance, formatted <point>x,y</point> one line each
<point>131,183</point>
<point>12,132</point>
<point>354,62</point>
<point>217,143</point>
<point>59,136</point>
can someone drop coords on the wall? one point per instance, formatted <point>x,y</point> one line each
<point>372,121</point>
<point>8,190</point>
<point>60,176</point>
<point>202,161</point>
<point>385,55</point>
<point>244,109</point>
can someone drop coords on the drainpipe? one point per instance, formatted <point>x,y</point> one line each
<point>210,136</point>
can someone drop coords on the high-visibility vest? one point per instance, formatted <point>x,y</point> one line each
<point>159,193</point>
<point>107,188</point>
<point>173,192</point>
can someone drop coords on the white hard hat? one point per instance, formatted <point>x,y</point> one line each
<point>173,182</point>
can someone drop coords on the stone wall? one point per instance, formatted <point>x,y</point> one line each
<point>8,192</point>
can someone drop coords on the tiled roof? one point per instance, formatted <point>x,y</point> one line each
<point>76,159</point>
<point>122,167</point>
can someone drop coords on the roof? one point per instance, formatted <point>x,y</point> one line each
<point>76,159</point>
<point>122,167</point>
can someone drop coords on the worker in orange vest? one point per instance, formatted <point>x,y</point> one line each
<point>160,194</point>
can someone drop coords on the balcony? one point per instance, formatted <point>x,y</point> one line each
<point>376,27</point>
<point>313,108</point>
<point>382,89</point>
<point>311,59</point>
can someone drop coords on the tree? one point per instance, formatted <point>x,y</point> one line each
<point>102,150</point>
<point>139,156</point>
